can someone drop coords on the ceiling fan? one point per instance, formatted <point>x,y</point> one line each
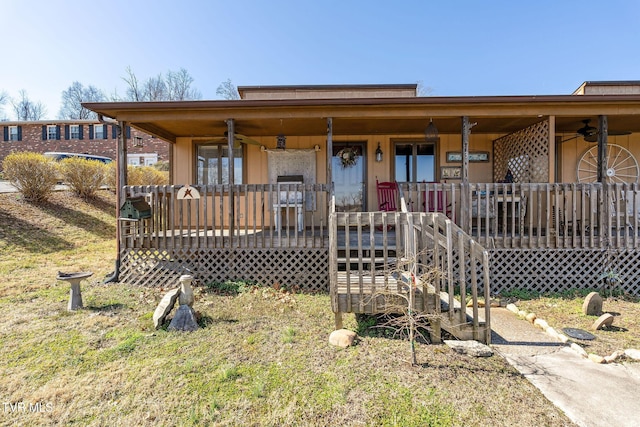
<point>590,133</point>
<point>238,139</point>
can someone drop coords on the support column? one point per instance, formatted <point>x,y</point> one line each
<point>465,205</point>
<point>329,152</point>
<point>603,133</point>
<point>231,130</point>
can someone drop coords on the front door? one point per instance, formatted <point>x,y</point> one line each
<point>348,167</point>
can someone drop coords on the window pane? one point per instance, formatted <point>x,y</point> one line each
<point>51,132</point>
<point>415,162</point>
<point>213,164</point>
<point>75,132</point>
<point>425,170</point>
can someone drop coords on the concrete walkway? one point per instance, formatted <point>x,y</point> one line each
<point>590,394</point>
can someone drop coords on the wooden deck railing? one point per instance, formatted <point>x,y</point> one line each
<point>536,215</point>
<point>251,215</point>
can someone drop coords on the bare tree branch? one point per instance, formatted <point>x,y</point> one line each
<point>25,109</point>
<point>227,90</point>
<point>72,100</point>
<point>176,86</point>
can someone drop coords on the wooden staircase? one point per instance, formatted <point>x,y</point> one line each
<point>372,272</point>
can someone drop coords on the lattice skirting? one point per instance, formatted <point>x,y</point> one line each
<point>562,270</point>
<point>306,269</point>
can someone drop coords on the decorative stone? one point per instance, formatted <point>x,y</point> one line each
<point>470,348</point>
<point>613,356</point>
<point>563,338</point>
<point>592,305</point>
<point>541,323</point>
<point>522,314</point>
<point>632,353</point>
<point>513,308</point>
<point>342,338</point>
<point>184,320</point>
<point>186,293</point>
<point>552,332</point>
<point>531,317</point>
<point>604,321</point>
<point>164,307</point>
<point>575,347</point>
<point>595,358</point>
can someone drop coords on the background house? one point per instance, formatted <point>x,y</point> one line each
<point>80,136</point>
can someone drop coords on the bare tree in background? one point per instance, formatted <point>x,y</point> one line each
<point>72,100</point>
<point>26,109</point>
<point>176,86</point>
<point>227,90</point>
<point>179,86</point>
<point>423,90</point>
<point>3,100</point>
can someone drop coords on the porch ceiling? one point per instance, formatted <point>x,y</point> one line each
<point>392,116</point>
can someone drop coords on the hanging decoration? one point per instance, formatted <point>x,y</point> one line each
<point>348,157</point>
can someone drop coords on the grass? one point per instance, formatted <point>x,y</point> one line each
<point>261,358</point>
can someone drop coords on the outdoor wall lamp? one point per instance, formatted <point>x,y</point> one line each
<point>137,141</point>
<point>281,142</point>
<point>378,153</point>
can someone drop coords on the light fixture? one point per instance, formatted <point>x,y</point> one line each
<point>281,142</point>
<point>431,132</point>
<point>378,153</point>
<point>137,141</point>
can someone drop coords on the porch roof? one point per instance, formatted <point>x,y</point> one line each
<point>361,116</point>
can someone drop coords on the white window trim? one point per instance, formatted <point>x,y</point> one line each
<point>52,132</point>
<point>13,133</point>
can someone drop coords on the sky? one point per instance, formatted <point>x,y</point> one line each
<point>453,48</point>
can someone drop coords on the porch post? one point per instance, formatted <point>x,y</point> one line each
<point>232,205</point>
<point>329,151</point>
<point>603,131</point>
<point>464,190</point>
<point>121,181</point>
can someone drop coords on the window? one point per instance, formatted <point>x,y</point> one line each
<point>14,133</point>
<point>74,131</point>
<point>52,132</point>
<point>213,164</point>
<point>99,132</point>
<point>415,162</point>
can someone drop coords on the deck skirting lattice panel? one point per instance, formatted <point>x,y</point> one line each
<point>563,270</point>
<point>307,269</point>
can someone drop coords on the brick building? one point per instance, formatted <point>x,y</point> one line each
<point>80,136</point>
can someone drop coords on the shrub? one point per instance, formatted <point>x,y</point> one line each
<point>137,175</point>
<point>162,165</point>
<point>84,177</point>
<point>33,174</point>
<point>146,175</point>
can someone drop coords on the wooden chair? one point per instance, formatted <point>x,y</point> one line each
<point>387,196</point>
<point>435,201</point>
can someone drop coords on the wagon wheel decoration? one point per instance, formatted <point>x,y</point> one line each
<point>622,167</point>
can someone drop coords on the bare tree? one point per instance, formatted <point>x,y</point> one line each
<point>3,100</point>
<point>227,90</point>
<point>179,86</point>
<point>176,86</point>
<point>25,109</point>
<point>423,90</point>
<point>72,100</point>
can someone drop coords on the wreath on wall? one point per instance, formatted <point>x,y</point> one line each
<point>348,157</point>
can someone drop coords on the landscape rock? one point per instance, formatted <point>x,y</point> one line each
<point>606,320</point>
<point>595,358</point>
<point>184,320</point>
<point>531,317</point>
<point>470,348</point>
<point>552,332</point>
<point>541,323</point>
<point>578,349</point>
<point>614,356</point>
<point>632,353</point>
<point>342,338</point>
<point>592,305</point>
<point>513,308</point>
<point>164,307</point>
<point>563,338</point>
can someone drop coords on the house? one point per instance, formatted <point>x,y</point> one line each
<point>533,191</point>
<point>79,136</point>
